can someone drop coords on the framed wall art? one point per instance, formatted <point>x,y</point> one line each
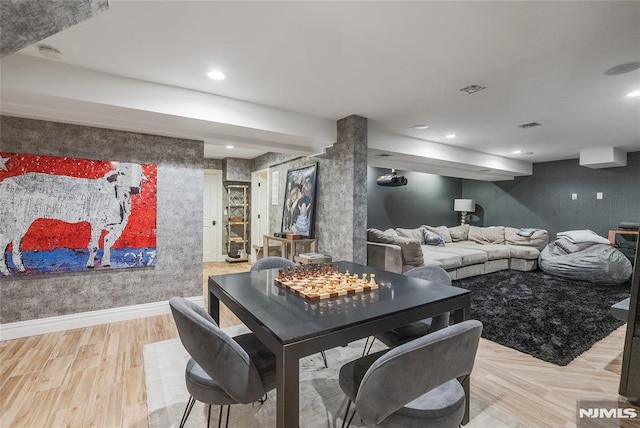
<point>300,201</point>
<point>66,214</point>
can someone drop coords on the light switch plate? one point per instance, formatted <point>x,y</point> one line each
<point>599,195</point>
<point>574,196</point>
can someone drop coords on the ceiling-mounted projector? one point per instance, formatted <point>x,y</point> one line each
<point>392,179</point>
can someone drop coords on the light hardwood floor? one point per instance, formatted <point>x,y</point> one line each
<point>95,377</point>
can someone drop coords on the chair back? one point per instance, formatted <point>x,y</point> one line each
<point>221,357</point>
<point>435,274</point>
<point>413,369</point>
<point>272,262</point>
<point>431,273</point>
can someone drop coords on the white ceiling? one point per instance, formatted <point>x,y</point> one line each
<point>294,68</point>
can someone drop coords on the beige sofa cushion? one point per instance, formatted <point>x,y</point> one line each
<point>447,260</point>
<point>417,234</point>
<point>494,251</point>
<point>486,235</point>
<point>440,230</point>
<point>391,232</point>
<point>410,248</point>
<point>539,239</point>
<point>523,252</point>
<point>459,233</point>
<point>468,255</point>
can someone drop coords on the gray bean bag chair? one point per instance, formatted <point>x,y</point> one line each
<point>585,261</point>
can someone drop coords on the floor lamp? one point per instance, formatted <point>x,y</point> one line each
<point>464,206</point>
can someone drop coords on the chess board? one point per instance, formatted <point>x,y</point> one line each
<point>324,282</point>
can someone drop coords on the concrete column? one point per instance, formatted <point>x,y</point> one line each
<point>342,194</point>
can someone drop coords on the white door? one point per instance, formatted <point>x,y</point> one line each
<point>259,207</point>
<point>211,216</point>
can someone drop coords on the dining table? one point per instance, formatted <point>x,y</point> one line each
<point>293,326</point>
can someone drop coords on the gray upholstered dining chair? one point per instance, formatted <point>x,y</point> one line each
<point>275,262</point>
<point>415,384</point>
<point>404,334</point>
<point>222,370</point>
<point>272,262</point>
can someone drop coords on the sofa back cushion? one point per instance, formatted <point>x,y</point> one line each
<point>487,235</point>
<point>538,239</point>
<point>440,230</point>
<point>459,233</point>
<point>416,234</point>
<point>410,249</point>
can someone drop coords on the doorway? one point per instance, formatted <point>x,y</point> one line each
<point>259,209</point>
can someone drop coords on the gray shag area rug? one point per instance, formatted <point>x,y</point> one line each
<point>551,318</point>
<point>322,402</point>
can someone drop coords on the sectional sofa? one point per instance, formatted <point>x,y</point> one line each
<point>462,251</point>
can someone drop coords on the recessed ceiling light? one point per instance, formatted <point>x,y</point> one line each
<point>216,75</point>
<point>516,152</point>
<point>627,67</point>
<point>520,152</point>
<point>49,52</point>
<point>634,94</point>
<point>229,146</point>
<point>420,126</point>
<point>450,136</point>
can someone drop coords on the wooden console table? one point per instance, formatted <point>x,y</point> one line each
<point>289,245</point>
<point>613,233</point>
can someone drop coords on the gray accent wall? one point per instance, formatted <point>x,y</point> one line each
<point>25,22</point>
<point>179,223</point>
<point>544,199</point>
<point>426,199</point>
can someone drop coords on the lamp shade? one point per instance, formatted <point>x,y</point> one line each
<point>464,205</point>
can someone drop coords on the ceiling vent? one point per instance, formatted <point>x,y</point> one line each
<point>384,155</point>
<point>529,125</point>
<point>603,157</point>
<point>472,89</point>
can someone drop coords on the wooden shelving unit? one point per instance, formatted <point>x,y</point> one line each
<point>237,207</point>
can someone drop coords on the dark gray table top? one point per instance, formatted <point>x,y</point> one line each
<point>290,317</point>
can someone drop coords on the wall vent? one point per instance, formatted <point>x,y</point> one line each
<point>529,125</point>
<point>472,89</point>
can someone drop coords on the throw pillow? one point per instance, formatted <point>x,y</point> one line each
<point>459,233</point>
<point>416,234</point>
<point>440,230</point>
<point>432,238</point>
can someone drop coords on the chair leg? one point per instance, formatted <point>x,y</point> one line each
<point>346,413</point>
<point>351,418</point>
<point>324,358</point>
<point>220,417</point>
<point>263,399</point>
<point>366,351</point>
<point>209,417</point>
<point>228,412</point>
<point>187,410</point>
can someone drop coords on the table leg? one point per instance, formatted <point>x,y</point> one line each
<point>214,307</point>
<point>287,388</point>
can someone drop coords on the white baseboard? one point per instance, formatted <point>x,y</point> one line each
<point>35,327</point>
